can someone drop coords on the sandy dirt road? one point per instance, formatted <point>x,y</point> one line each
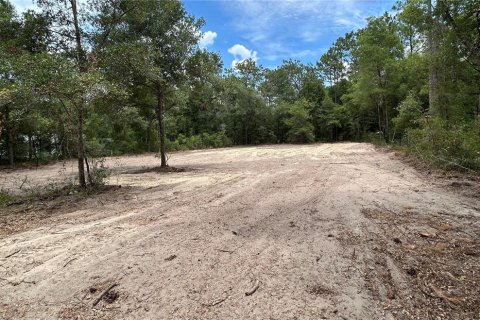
<point>275,232</point>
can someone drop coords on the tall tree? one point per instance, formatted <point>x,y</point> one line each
<point>163,37</point>
<point>69,23</point>
<point>432,51</point>
<point>379,49</point>
<point>74,33</point>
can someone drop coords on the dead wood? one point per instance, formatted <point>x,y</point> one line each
<point>219,301</point>
<point>103,294</point>
<point>255,288</point>
<point>13,253</point>
<point>68,262</point>
<point>170,258</point>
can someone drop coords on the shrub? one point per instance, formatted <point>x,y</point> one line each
<point>202,141</point>
<point>455,146</point>
<point>301,129</point>
<point>409,114</point>
<point>99,173</point>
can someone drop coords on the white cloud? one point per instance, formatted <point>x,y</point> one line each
<point>306,20</point>
<point>294,25</point>
<point>207,39</point>
<point>23,5</point>
<point>241,53</point>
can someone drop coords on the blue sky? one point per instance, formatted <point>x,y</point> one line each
<point>276,30</point>
<point>271,31</point>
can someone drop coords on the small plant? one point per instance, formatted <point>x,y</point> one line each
<point>99,173</point>
<point>456,146</point>
<point>5,198</point>
<point>42,192</point>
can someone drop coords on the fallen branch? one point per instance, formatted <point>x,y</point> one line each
<point>24,180</point>
<point>255,288</point>
<point>68,262</point>
<point>11,254</point>
<point>103,294</point>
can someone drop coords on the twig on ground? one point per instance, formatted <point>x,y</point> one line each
<point>145,299</point>
<point>219,301</point>
<point>255,288</point>
<point>13,253</point>
<point>223,250</point>
<point>23,182</point>
<point>68,262</point>
<point>103,294</point>
<point>170,258</point>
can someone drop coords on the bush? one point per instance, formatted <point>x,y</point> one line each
<point>202,141</point>
<point>409,114</point>
<point>99,173</point>
<point>455,146</point>
<point>301,129</point>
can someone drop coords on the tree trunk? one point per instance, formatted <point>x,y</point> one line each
<point>81,149</point>
<point>379,114</point>
<point>411,44</point>
<point>78,37</point>
<point>432,74</point>
<point>81,60</point>
<point>88,171</point>
<point>35,152</point>
<point>161,127</point>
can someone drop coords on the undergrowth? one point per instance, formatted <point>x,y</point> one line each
<point>5,198</point>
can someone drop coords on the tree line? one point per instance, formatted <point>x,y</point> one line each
<point>107,77</point>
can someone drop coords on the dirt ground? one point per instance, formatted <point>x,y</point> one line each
<point>324,231</point>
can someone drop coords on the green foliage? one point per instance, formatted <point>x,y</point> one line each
<point>409,113</point>
<point>131,75</point>
<point>300,129</point>
<point>454,146</point>
<point>99,173</point>
<point>48,191</point>
<point>202,141</point>
<point>5,198</point>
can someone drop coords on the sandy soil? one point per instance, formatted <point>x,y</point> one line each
<point>326,231</point>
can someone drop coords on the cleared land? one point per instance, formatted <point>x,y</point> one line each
<point>326,231</point>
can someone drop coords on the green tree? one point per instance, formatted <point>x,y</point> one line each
<point>204,89</point>
<point>378,52</point>
<point>300,129</point>
<point>161,38</point>
<point>409,113</point>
